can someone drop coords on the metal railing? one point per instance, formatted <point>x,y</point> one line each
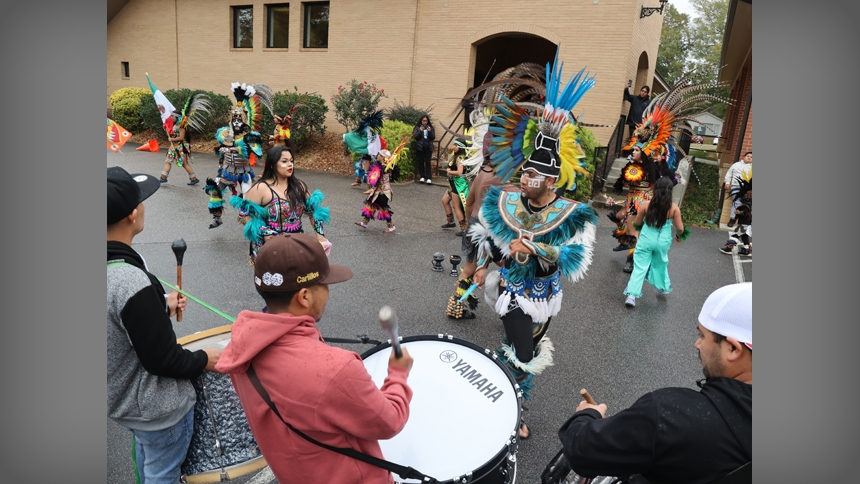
<point>447,138</point>
<point>604,156</point>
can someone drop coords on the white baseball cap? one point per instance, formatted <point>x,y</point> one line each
<point>728,311</point>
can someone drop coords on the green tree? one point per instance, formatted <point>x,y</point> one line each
<point>674,45</point>
<point>694,46</point>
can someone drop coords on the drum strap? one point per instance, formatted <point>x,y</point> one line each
<point>403,472</point>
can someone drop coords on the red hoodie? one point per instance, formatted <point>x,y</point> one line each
<point>324,391</point>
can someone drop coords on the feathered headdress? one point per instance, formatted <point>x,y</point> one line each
<point>547,145</point>
<point>668,112</point>
<point>283,123</point>
<point>193,113</point>
<point>250,100</point>
<point>744,186</point>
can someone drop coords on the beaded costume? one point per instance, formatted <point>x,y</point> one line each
<point>527,291</point>
<point>278,217</point>
<point>239,142</point>
<point>666,113</point>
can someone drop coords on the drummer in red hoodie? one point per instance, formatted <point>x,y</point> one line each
<point>323,391</point>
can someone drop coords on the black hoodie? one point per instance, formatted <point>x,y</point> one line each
<point>671,435</point>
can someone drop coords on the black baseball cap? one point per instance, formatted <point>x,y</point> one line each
<point>126,191</point>
<point>289,262</point>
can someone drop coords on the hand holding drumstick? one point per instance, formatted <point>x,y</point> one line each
<point>589,402</point>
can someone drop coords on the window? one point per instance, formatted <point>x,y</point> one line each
<point>316,25</point>
<point>278,26</point>
<point>125,71</point>
<point>243,27</point>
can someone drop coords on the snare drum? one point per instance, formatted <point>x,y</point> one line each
<point>464,414</point>
<point>222,446</point>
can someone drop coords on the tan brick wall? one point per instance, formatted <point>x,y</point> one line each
<point>421,53</point>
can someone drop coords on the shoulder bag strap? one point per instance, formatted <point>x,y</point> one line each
<point>404,472</point>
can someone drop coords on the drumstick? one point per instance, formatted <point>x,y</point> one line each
<point>388,320</point>
<point>587,396</point>
<point>179,251</point>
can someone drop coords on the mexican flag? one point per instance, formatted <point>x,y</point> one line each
<point>165,108</point>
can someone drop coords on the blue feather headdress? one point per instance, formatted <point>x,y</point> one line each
<point>547,145</point>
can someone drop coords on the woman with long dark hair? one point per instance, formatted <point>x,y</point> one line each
<point>424,134</point>
<point>276,203</point>
<point>651,256</point>
<point>639,174</point>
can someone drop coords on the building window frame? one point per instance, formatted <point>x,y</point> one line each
<point>237,41</point>
<point>271,9</point>
<point>125,71</point>
<point>307,11</point>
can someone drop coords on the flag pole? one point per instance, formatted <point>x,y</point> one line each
<point>167,133</point>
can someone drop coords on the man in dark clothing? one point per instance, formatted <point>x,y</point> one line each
<point>637,107</point>
<point>149,389</point>
<point>679,435</point>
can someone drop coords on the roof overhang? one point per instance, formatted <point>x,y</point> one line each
<point>737,40</point>
<point>114,7</point>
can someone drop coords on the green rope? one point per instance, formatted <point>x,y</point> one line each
<point>134,459</point>
<point>189,296</point>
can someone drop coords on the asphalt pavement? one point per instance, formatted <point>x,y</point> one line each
<point>615,352</point>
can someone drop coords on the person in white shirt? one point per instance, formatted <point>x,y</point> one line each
<point>740,167</point>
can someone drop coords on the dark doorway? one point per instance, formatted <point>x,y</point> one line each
<point>508,50</point>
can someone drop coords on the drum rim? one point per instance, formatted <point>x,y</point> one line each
<point>501,455</point>
<point>254,464</point>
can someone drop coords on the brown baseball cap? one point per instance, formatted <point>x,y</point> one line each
<point>289,262</point>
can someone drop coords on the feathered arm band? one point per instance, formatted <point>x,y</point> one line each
<point>316,212</point>
<point>685,234</point>
<point>256,218</point>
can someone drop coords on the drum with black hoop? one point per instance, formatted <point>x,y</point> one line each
<point>222,446</point>
<point>464,414</point>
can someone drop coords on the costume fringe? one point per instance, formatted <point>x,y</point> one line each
<point>257,214</point>
<point>685,234</point>
<point>314,204</point>
<point>541,361</point>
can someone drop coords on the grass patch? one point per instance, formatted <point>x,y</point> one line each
<point>708,155</point>
<point>702,195</point>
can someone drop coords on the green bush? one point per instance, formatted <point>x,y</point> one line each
<point>584,183</point>
<point>125,111</point>
<point>124,105</point>
<point>407,113</point>
<point>219,114</point>
<point>308,120</point>
<point>702,196</point>
<point>128,92</point>
<point>355,100</point>
<point>392,132</point>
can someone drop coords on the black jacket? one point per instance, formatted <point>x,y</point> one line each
<point>669,436</point>
<point>637,107</point>
<point>422,144</point>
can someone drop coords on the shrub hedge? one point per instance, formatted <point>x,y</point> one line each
<point>125,104</point>
<point>407,113</point>
<point>392,132</point>
<point>308,120</point>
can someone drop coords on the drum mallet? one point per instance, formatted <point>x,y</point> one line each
<point>587,396</point>
<point>388,320</point>
<point>179,250</point>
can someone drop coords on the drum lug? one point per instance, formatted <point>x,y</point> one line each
<point>466,479</point>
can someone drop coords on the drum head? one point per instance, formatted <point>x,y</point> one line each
<point>465,407</point>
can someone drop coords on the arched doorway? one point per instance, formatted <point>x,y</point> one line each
<point>498,52</point>
<point>641,74</point>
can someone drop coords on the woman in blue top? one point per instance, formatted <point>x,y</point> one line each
<point>651,255</point>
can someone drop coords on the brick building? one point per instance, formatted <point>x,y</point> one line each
<point>736,137</point>
<point>421,52</point>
